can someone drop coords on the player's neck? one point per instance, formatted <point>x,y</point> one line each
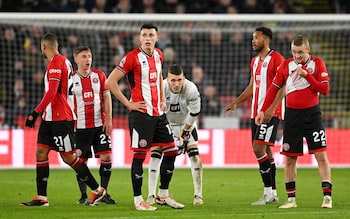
<point>50,55</point>
<point>148,51</point>
<point>263,53</point>
<point>84,72</point>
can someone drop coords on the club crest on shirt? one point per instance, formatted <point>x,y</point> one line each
<point>310,70</point>
<point>143,143</point>
<point>95,80</point>
<point>157,60</point>
<point>122,62</point>
<point>78,152</point>
<point>286,147</point>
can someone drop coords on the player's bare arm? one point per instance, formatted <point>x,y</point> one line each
<point>107,105</point>
<point>259,118</point>
<point>247,93</point>
<point>268,114</point>
<point>112,82</point>
<point>162,94</point>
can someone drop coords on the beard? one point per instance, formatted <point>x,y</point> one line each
<point>43,54</point>
<point>258,49</point>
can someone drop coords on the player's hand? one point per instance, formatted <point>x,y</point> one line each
<point>163,106</point>
<point>186,135</point>
<point>107,127</point>
<point>301,70</point>
<point>31,119</point>
<point>259,118</point>
<point>232,107</point>
<point>137,106</point>
<point>268,114</point>
<point>181,150</point>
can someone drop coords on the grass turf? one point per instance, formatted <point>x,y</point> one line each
<point>228,193</point>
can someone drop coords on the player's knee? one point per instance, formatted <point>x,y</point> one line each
<point>139,155</point>
<point>170,152</point>
<point>193,152</point>
<point>156,154</point>
<point>106,157</point>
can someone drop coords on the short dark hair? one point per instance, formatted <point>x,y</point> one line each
<point>149,26</point>
<point>175,69</point>
<point>265,30</point>
<point>80,49</point>
<point>49,37</point>
<point>301,40</point>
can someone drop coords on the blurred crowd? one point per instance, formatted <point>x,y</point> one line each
<point>217,62</point>
<point>171,6</point>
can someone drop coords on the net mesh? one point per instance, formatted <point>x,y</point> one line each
<point>215,52</point>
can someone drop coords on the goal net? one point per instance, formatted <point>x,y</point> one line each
<point>214,51</point>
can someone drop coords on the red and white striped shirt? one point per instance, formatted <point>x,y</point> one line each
<point>300,92</point>
<point>88,98</point>
<point>143,73</point>
<point>263,72</point>
<point>61,106</point>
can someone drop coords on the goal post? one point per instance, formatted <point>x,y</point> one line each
<point>214,51</point>
<point>219,45</point>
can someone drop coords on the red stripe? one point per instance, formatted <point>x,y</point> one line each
<point>264,143</point>
<point>45,146</point>
<point>107,151</point>
<point>42,163</point>
<point>317,150</point>
<point>136,91</point>
<point>76,163</point>
<point>325,189</point>
<point>257,82</point>
<point>170,153</point>
<point>265,158</point>
<point>140,155</point>
<point>163,144</point>
<point>291,154</point>
<point>89,109</point>
<point>153,87</point>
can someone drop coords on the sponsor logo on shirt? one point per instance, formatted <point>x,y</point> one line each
<point>174,107</point>
<point>53,70</point>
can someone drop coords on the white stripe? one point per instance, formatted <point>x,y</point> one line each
<point>218,152</point>
<point>263,82</point>
<point>17,148</point>
<point>118,142</point>
<point>255,65</point>
<point>135,139</point>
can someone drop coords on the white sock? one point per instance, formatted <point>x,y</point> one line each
<point>153,172</point>
<point>138,199</point>
<point>163,192</point>
<point>274,192</point>
<point>97,190</point>
<point>268,191</point>
<point>41,197</point>
<point>197,174</point>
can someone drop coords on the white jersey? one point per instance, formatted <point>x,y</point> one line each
<point>184,106</point>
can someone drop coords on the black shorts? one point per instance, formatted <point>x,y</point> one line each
<point>265,133</point>
<point>147,131</point>
<point>301,123</point>
<point>57,135</point>
<point>92,138</point>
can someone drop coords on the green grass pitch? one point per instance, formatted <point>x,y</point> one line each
<point>228,193</point>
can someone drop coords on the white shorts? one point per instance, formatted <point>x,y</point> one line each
<point>177,130</point>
